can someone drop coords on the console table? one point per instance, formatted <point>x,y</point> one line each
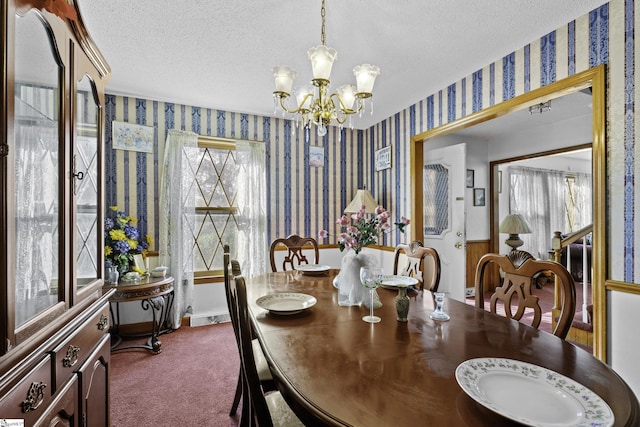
<point>154,294</point>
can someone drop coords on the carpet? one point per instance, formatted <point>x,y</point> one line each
<point>190,383</point>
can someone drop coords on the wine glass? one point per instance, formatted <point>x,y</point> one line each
<point>371,277</point>
<point>439,313</point>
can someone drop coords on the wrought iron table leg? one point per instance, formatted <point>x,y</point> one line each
<point>158,311</point>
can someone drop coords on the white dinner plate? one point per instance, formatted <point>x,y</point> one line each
<point>313,268</point>
<point>286,302</point>
<point>532,395</point>
<point>392,282</point>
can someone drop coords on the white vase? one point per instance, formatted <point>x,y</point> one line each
<point>350,289</point>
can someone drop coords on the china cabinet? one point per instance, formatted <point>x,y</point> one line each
<point>54,318</point>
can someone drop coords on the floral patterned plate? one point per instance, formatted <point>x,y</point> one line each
<point>286,302</point>
<point>532,395</point>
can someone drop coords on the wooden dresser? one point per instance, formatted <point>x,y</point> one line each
<point>54,318</point>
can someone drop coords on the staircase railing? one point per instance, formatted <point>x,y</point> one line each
<point>558,243</point>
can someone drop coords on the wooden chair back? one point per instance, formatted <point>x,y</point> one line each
<point>520,271</point>
<point>422,263</point>
<point>233,314</point>
<point>259,408</point>
<point>227,290</point>
<point>296,248</point>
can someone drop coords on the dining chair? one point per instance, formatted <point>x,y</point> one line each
<point>422,263</point>
<point>296,247</point>
<point>262,367</point>
<point>268,408</point>
<point>520,271</point>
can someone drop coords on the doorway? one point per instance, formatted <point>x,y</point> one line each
<point>591,81</point>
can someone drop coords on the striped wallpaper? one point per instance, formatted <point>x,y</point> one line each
<point>304,199</point>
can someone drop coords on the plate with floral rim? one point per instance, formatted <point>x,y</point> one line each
<point>286,303</point>
<point>532,395</point>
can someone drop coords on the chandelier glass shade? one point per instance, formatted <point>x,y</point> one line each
<point>314,103</point>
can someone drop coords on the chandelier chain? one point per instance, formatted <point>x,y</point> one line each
<point>322,34</point>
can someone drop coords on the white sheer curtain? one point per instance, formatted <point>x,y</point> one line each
<point>177,218</point>
<point>583,191</point>
<point>539,196</point>
<point>36,203</point>
<point>251,201</point>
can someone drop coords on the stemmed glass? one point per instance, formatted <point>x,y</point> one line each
<point>371,277</point>
<point>439,313</point>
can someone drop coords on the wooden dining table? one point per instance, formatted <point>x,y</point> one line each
<point>335,369</point>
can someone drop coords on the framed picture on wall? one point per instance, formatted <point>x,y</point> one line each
<point>132,137</point>
<point>383,158</point>
<point>316,156</point>
<point>478,197</point>
<point>469,178</point>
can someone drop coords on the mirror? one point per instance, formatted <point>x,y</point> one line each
<point>593,79</point>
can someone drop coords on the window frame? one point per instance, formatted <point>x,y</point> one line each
<point>216,143</point>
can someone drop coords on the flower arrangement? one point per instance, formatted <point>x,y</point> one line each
<point>122,241</point>
<point>362,231</point>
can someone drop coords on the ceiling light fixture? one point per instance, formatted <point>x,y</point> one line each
<point>540,108</point>
<point>317,106</point>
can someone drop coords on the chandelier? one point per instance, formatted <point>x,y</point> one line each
<point>314,102</point>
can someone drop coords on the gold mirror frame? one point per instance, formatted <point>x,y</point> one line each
<point>594,78</point>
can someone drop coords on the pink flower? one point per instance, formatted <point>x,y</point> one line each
<point>343,221</point>
<point>361,229</point>
<point>406,220</point>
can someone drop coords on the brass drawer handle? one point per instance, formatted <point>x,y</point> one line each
<point>35,397</point>
<point>103,324</point>
<point>72,356</point>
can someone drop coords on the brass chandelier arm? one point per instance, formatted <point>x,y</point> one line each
<point>345,110</point>
<point>323,108</point>
<point>299,109</point>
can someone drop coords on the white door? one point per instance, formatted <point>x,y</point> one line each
<point>444,214</point>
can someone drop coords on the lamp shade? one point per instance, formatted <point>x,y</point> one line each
<point>284,77</point>
<point>514,224</point>
<point>305,91</point>
<point>322,58</point>
<point>362,198</point>
<point>365,78</point>
<point>347,95</point>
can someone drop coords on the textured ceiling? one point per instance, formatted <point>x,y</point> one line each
<point>217,54</point>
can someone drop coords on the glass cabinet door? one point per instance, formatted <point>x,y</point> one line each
<point>85,170</point>
<point>36,169</point>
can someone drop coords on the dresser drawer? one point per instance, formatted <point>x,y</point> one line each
<point>30,398</point>
<point>73,351</point>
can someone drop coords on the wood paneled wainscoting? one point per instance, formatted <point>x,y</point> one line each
<point>475,250</point>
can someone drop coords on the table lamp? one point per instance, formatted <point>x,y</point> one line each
<point>514,224</point>
<point>362,198</point>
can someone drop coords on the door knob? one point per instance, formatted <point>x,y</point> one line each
<point>459,234</point>
<point>458,245</point>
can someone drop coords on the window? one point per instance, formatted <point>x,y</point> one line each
<point>436,199</point>
<point>217,174</point>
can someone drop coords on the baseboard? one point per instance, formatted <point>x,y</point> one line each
<point>202,319</point>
